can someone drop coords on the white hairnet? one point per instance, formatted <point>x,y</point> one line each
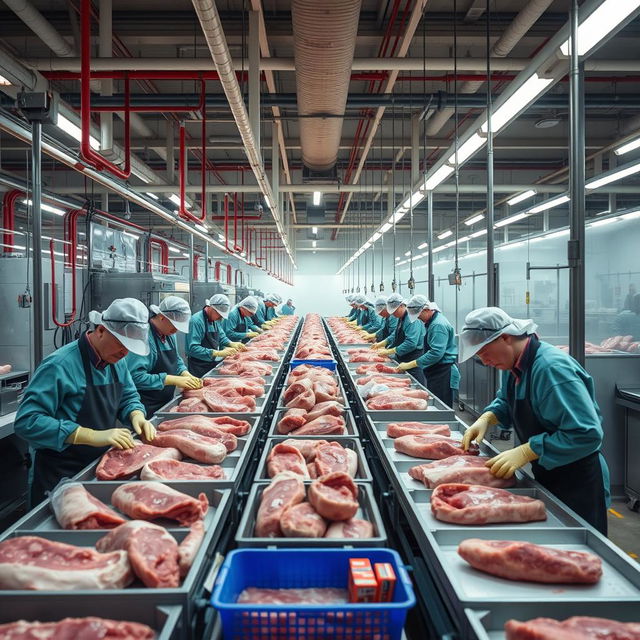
<point>273,297</point>
<point>127,319</point>
<point>359,299</point>
<point>176,310</point>
<point>249,303</point>
<point>380,304</point>
<point>394,301</point>
<point>417,304</point>
<point>220,303</point>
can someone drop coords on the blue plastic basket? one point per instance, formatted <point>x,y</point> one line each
<point>306,568</point>
<point>327,364</point>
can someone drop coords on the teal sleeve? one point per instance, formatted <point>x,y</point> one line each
<point>229,324</point>
<point>374,323</point>
<point>500,406</point>
<point>259,317</point>
<point>223,339</point>
<point>194,338</point>
<point>130,399</point>
<point>438,340</point>
<point>140,366</point>
<point>413,338</point>
<point>352,314</point>
<point>179,362</point>
<point>35,421</point>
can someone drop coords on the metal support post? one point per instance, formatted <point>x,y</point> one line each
<point>36,235</point>
<point>275,166</point>
<point>415,150</point>
<point>432,290</point>
<point>206,262</point>
<point>254,75</point>
<point>105,37</point>
<point>191,270</point>
<point>171,154</point>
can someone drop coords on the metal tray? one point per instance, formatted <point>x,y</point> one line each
<point>352,429</point>
<point>368,510</point>
<point>363,473</point>
<point>436,411</point>
<point>166,413</point>
<point>268,379</point>
<point>166,621</point>
<point>342,398</point>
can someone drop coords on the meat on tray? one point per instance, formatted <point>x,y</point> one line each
<point>152,552</point>
<point>168,470</point>
<point>353,528</point>
<point>322,426</point>
<point>302,521</point>
<point>229,440</point>
<point>527,562</point>
<point>292,419</point>
<point>200,424</point>
<point>396,401</point>
<point>285,490</point>
<point>150,500</point>
<point>34,563</point>
<point>222,404</point>
<point>307,448</point>
<point>193,445</point>
<point>576,628</point>
<point>471,504</point>
<point>190,405</point>
<point>322,595</point>
<point>251,355</point>
<point>189,547</point>
<point>118,464</point>
<point>332,456</point>
<point>233,386</point>
<point>334,496</point>
<point>284,457</point>
<point>432,447</point>
<point>375,367</point>
<point>399,429</point>
<point>459,469</point>
<point>389,381</point>
<point>328,408</point>
<point>301,385</point>
<point>75,508</point>
<point>367,356</point>
<point>245,368</point>
<point>89,628</point>
<point>306,400</point>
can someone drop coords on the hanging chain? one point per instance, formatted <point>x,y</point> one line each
<point>456,270</point>
<point>412,282</point>
<point>382,201</point>
<point>394,284</point>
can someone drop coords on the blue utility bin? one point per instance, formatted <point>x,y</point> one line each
<point>300,569</point>
<point>327,364</point>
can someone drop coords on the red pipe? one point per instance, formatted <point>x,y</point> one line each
<point>196,257</point>
<point>9,217</point>
<point>141,75</point>
<point>164,254</point>
<point>238,271</point>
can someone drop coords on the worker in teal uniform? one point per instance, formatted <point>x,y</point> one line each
<point>627,323</point>
<point>287,309</point>
<point>158,374</point>
<point>388,322</point>
<point>371,321</point>
<point>406,343</point>
<point>351,316</point>
<point>438,362</point>
<point>271,301</point>
<point>260,316</point>
<point>239,326</point>
<point>207,343</point>
<point>358,302</point>
<point>69,410</point>
<point>549,400</point>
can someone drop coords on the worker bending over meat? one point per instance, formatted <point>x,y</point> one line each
<point>438,362</point>
<point>406,343</point>
<point>287,309</point>
<point>271,301</point>
<point>207,342</point>
<point>549,400</point>
<point>69,410</point>
<point>353,313</point>
<point>157,375</point>
<point>240,325</point>
<point>371,321</point>
<point>388,322</point>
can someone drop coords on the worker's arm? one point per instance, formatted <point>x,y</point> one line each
<point>179,362</point>
<point>413,338</point>
<point>140,366</point>
<point>229,325</point>
<point>223,339</point>
<point>500,407</point>
<point>130,399</point>
<point>194,348</point>
<point>438,340</point>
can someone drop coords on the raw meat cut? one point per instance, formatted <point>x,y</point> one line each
<point>399,429</point>
<point>323,595</point>
<point>30,562</point>
<point>193,445</point>
<point>223,404</point>
<point>189,547</point>
<point>292,419</point>
<point>329,408</point>
<point>420,394</point>
<point>199,424</point>
<point>296,388</point>
<point>118,464</point>
<point>333,456</point>
<point>394,401</point>
<point>232,386</point>
<point>389,381</point>
<point>353,528</point>
<point>306,447</point>
<point>227,439</point>
<point>322,426</point>
<point>251,355</point>
<point>168,470</point>
<point>376,367</point>
<point>150,500</point>
<point>367,357</point>
<point>285,490</point>
<point>190,405</point>
<point>334,496</point>
<point>325,391</point>
<point>152,551</point>
<point>576,628</point>
<point>89,628</point>
<point>432,447</point>
<point>245,368</point>
<point>305,400</point>
<point>302,521</point>
<point>5,368</point>
<point>284,457</point>
<point>460,469</point>
<point>516,560</point>
<point>475,505</point>
<point>75,508</point>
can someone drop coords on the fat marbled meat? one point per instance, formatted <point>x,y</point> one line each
<point>285,457</point>
<point>89,628</point>
<point>189,547</point>
<point>322,426</point>
<point>75,508</point>
<point>432,447</point>
<point>118,464</point>
<point>286,489</point>
<point>575,628</point>
<point>220,423</point>
<point>459,469</point>
<point>321,595</point>
<point>229,440</point>
<point>302,521</point>
<point>353,528</point>
<point>334,496</point>
<point>169,470</point>
<point>396,401</point>
<point>193,445</point>
<point>399,429</point>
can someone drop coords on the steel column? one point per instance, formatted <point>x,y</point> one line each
<point>36,198</point>
<point>191,271</point>
<point>430,242</point>
<point>491,291</point>
<point>254,74</point>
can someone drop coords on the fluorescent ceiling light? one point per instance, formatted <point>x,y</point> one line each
<point>463,239</point>
<point>413,200</point>
<point>174,249</point>
<point>600,24</point>
<point>511,219</point>
<point>632,215</point>
<point>74,131</point>
<point>601,223</point>
<point>186,255</point>
<point>220,237</point>
<point>314,230</point>
<point>445,234</point>
<point>473,220</point>
<point>439,249</point>
<point>365,246</point>
<point>424,245</point>
<point>377,235</point>
<point>549,204</point>
<point>4,82</point>
<point>613,176</point>
<point>176,200</point>
<point>314,243</point>
<point>385,227</point>
<point>45,207</point>
<point>407,254</point>
<point>202,228</point>
<point>398,215</point>
<point>519,100</point>
<point>317,196</point>
<point>152,195</point>
<point>521,196</point>
<point>477,234</point>
<point>558,234</point>
<point>439,176</point>
<point>629,146</point>
<point>397,258</point>
<point>465,151</point>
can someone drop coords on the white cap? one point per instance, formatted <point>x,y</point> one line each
<point>127,320</point>
<point>176,310</point>
<point>394,301</point>
<point>249,303</point>
<point>484,325</point>
<point>417,304</point>
<point>349,298</point>
<point>380,304</point>
<point>273,297</point>
<point>359,299</point>
<point>220,303</point>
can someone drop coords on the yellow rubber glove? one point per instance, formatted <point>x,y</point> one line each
<point>478,429</point>
<point>118,438</point>
<point>505,464</point>
<point>141,425</point>
<point>251,334</point>
<point>182,382</point>
<point>226,352</point>
<point>195,379</point>
<point>238,346</point>
<point>405,366</point>
<point>379,345</point>
<point>265,326</point>
<point>353,323</point>
<point>367,337</point>
<point>386,352</point>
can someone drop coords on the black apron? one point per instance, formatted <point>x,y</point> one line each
<point>399,338</point>
<point>211,341</point>
<point>166,362</point>
<point>578,484</point>
<point>99,410</point>
<point>438,376</point>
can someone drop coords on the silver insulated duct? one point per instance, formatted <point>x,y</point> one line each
<point>324,39</point>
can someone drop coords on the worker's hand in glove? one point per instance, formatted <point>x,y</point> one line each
<point>405,366</point>
<point>252,334</point>
<point>238,346</point>
<point>386,352</point>
<point>477,431</point>
<point>226,352</point>
<point>378,345</point>
<point>182,382</point>
<point>353,323</point>
<point>198,381</point>
<point>265,326</point>
<point>505,464</point>
<point>142,426</point>
<point>118,438</point>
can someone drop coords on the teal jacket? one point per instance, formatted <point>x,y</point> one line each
<point>627,323</point>
<point>141,366</point>
<point>371,320</point>
<point>387,329</point>
<point>236,327</point>
<point>443,348</point>
<point>198,326</point>
<point>352,314</point>
<point>413,336</point>
<point>286,310</point>
<point>270,313</point>
<point>47,414</point>
<point>564,402</point>
<point>260,316</point>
